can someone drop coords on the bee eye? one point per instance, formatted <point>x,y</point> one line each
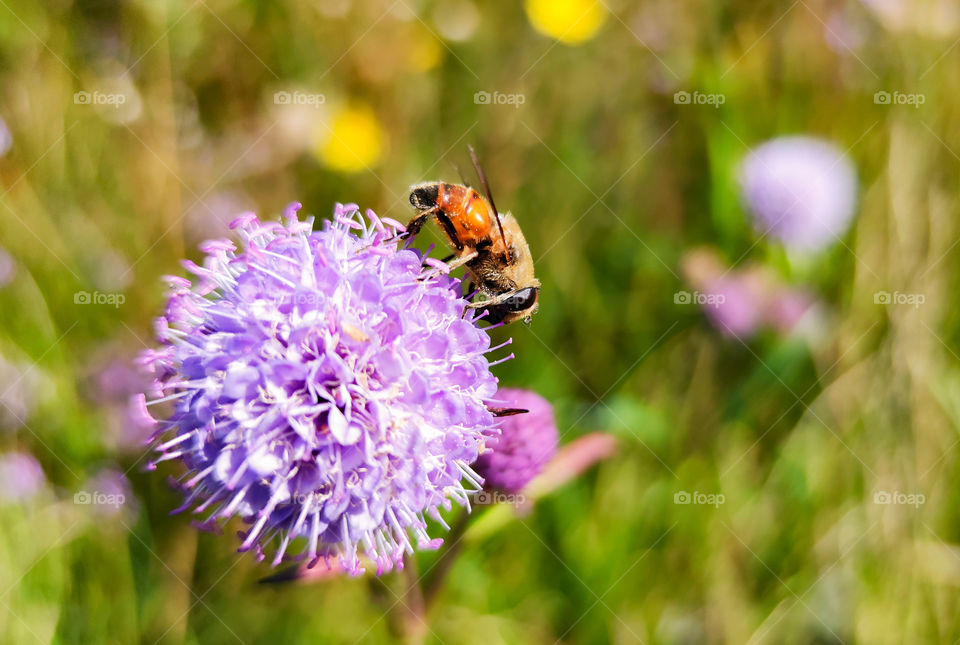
<point>522,299</point>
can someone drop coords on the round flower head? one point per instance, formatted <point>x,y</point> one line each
<point>326,385</point>
<point>801,190</point>
<point>525,445</point>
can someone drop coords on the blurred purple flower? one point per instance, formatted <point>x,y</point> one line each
<point>801,190</point>
<point>21,386</point>
<point>113,380</point>
<point>525,445</point>
<point>6,138</point>
<point>741,302</point>
<point>211,216</point>
<point>21,477</point>
<point>116,378</point>
<point>843,31</point>
<point>326,385</point>
<point>736,307</point>
<point>108,492</point>
<point>572,460</point>
<point>788,308</point>
<point>8,267</point>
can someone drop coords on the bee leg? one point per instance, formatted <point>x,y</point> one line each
<point>463,259</point>
<point>490,302</point>
<point>414,225</point>
<point>447,225</point>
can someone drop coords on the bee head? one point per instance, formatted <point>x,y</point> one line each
<point>522,303</point>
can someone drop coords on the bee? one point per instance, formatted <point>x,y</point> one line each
<point>491,246</point>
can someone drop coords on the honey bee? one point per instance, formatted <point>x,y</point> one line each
<point>491,246</point>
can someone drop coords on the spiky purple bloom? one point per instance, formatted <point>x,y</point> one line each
<point>326,385</point>
<point>525,445</point>
<point>801,190</point>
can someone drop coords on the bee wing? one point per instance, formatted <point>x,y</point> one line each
<point>462,178</point>
<point>486,189</point>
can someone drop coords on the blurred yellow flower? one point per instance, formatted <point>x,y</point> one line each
<point>425,53</point>
<point>351,141</point>
<point>569,21</point>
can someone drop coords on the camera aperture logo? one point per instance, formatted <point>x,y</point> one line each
<point>899,98</point>
<point>298,98</point>
<point>98,298</point>
<point>499,98</point>
<point>897,498</point>
<point>699,499</point>
<point>697,298</point>
<point>491,497</point>
<point>96,498</point>
<point>698,98</point>
<point>897,298</point>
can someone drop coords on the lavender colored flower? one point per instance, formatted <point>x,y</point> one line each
<point>737,304</point>
<point>742,301</point>
<point>327,387</point>
<point>21,477</point>
<point>109,493</point>
<point>525,445</point>
<point>800,190</point>
<point>111,381</point>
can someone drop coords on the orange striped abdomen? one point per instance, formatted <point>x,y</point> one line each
<point>469,213</point>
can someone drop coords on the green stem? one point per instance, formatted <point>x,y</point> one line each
<point>438,574</point>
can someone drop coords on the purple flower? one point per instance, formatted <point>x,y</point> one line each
<point>526,443</point>
<point>21,386</point>
<point>326,385</point>
<point>742,301</point>
<point>21,477</point>
<point>8,267</point>
<point>736,304</point>
<point>108,492</point>
<point>6,138</point>
<point>111,381</point>
<point>801,190</point>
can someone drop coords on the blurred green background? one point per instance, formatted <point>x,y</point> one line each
<point>134,130</point>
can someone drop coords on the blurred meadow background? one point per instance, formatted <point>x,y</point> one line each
<point>786,413</point>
